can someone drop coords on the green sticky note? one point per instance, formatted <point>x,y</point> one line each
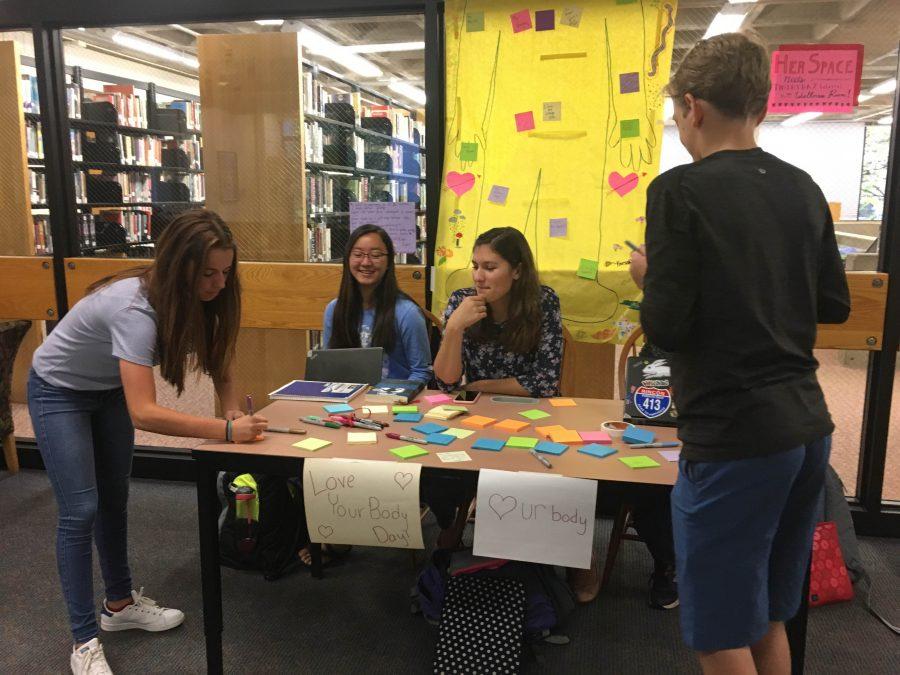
<point>409,451</point>
<point>405,408</point>
<point>469,152</point>
<point>474,22</point>
<point>522,442</point>
<point>630,128</point>
<point>639,462</point>
<point>311,444</point>
<point>587,269</point>
<point>535,414</point>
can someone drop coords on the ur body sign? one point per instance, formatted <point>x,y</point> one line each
<point>542,518</point>
<point>815,78</point>
<point>361,502</point>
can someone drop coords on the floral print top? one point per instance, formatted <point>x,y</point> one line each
<point>538,371</point>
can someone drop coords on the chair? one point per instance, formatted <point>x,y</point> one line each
<point>624,520</point>
<point>11,335</point>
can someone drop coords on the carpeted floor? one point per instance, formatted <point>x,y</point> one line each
<point>357,619</point>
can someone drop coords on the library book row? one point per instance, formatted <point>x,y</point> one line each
<point>96,186</point>
<point>331,194</point>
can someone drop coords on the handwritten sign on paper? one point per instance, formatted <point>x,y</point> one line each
<point>815,78</point>
<point>559,227</point>
<point>552,111</point>
<point>397,218</point>
<point>535,517</point>
<point>571,16</point>
<point>360,502</point>
<point>498,194</point>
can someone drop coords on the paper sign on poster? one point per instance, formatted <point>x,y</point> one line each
<point>542,518</point>
<point>362,502</point>
<point>815,78</point>
<point>397,218</point>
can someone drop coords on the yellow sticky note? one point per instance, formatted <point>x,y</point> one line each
<point>562,402</point>
<point>361,437</point>
<point>459,433</point>
<point>375,409</point>
<point>312,444</point>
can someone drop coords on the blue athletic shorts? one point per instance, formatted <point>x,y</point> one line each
<point>743,534</point>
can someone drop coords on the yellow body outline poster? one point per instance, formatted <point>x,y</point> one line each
<point>554,124</point>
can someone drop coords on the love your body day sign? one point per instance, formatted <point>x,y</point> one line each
<point>540,518</point>
<point>361,502</point>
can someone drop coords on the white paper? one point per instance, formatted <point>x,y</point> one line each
<point>542,518</point>
<point>362,502</point>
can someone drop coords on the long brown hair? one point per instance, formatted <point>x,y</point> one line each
<point>522,330</point>
<point>191,334</point>
<point>349,306</point>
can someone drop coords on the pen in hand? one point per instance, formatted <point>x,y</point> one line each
<point>249,405</point>
<point>286,430</point>
<point>543,460</point>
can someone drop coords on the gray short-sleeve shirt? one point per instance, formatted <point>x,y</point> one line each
<point>83,351</point>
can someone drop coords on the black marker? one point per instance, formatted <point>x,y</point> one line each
<point>636,249</point>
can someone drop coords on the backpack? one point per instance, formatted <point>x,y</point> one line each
<point>549,601</point>
<point>263,523</point>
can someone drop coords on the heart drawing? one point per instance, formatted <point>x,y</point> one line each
<point>460,183</point>
<point>326,530</point>
<point>502,505</point>
<point>623,184</point>
<point>403,479</point>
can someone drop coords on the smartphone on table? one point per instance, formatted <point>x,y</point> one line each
<point>466,396</point>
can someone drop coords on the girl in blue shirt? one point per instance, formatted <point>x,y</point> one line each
<point>371,311</point>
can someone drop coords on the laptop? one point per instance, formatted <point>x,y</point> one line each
<point>354,364</point>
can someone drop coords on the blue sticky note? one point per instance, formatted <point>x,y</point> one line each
<point>597,450</point>
<point>488,444</point>
<point>550,448</point>
<point>638,435</point>
<point>335,408</point>
<point>440,439</point>
<point>408,417</point>
<point>429,428</point>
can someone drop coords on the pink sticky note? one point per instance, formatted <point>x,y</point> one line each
<point>438,398</point>
<point>670,455</point>
<point>520,21</point>
<point>524,121</point>
<point>595,437</point>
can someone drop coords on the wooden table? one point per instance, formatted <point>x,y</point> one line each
<point>275,455</point>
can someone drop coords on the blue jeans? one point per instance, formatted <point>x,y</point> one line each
<point>86,439</point>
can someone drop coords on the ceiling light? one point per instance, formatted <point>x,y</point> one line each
<point>862,98</point>
<point>796,120</point>
<point>741,2</point>
<point>154,49</point>
<point>388,47</point>
<point>887,120</point>
<point>725,23</point>
<point>269,22</point>
<point>316,43</point>
<point>408,90</point>
<point>885,87</point>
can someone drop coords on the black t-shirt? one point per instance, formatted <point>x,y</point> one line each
<point>742,265</point>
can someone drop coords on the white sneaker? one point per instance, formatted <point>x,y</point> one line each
<point>144,614</point>
<point>88,659</point>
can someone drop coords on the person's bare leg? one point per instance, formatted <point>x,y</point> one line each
<point>728,662</point>
<point>772,654</point>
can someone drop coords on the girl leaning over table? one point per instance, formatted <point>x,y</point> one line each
<point>504,336</point>
<point>92,383</point>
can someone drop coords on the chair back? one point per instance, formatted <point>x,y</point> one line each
<point>629,348</point>
<point>11,335</point>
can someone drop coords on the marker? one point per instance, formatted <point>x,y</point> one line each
<point>249,404</point>
<point>631,245</point>
<point>352,422</point>
<point>542,460</point>
<point>410,439</point>
<point>286,430</point>
<point>654,445</point>
<point>318,421</point>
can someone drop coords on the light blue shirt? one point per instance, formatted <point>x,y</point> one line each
<point>411,357</point>
<point>83,351</point>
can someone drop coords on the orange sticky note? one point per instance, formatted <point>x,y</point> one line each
<point>546,432</point>
<point>511,425</point>
<point>566,437</point>
<point>562,402</point>
<point>479,422</point>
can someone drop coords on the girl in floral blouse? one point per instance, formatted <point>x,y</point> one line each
<point>505,334</point>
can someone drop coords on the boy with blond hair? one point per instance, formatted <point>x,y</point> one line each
<point>741,264</point>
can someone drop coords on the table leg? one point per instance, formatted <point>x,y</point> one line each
<point>210,573</point>
<point>796,630</point>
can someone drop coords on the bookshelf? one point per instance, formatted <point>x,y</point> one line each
<point>136,165</point>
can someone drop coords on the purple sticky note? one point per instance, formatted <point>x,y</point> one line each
<point>670,455</point>
<point>498,195</point>
<point>524,121</point>
<point>544,19</point>
<point>629,83</point>
<point>520,21</point>
<point>559,227</point>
